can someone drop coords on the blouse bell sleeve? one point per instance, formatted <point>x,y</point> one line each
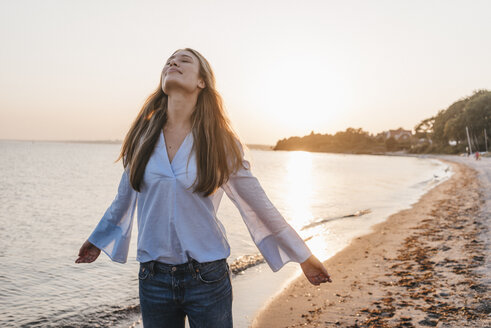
<point>277,241</point>
<point>113,233</point>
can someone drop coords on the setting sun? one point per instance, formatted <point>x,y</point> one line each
<point>299,94</point>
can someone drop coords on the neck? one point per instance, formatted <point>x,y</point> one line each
<point>179,109</point>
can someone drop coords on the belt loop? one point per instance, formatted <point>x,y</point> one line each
<point>191,266</point>
<point>151,267</point>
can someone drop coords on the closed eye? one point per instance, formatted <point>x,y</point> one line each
<point>184,61</point>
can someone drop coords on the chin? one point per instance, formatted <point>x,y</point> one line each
<point>169,86</point>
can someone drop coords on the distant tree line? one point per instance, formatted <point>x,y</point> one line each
<point>355,141</point>
<point>446,131</point>
<point>443,133</point>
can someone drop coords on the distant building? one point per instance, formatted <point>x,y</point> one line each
<point>399,134</point>
<point>381,136</point>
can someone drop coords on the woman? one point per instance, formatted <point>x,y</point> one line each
<point>179,157</point>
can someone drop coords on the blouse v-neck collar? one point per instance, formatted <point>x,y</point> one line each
<point>179,150</point>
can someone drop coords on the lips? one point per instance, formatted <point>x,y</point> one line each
<point>173,70</point>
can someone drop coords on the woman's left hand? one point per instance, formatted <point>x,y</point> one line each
<point>315,271</point>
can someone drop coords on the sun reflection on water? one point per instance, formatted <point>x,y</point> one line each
<point>300,188</point>
<point>299,196</point>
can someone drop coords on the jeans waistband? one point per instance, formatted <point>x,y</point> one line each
<point>191,265</point>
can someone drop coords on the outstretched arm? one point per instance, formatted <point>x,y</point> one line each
<point>277,241</point>
<point>112,234</point>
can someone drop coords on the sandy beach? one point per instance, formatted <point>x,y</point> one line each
<point>424,266</point>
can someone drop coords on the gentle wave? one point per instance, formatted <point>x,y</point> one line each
<point>107,316</point>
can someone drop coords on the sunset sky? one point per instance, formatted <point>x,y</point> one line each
<point>73,70</point>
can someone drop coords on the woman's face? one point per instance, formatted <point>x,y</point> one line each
<point>181,72</point>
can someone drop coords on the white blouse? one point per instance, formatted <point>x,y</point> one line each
<point>174,222</point>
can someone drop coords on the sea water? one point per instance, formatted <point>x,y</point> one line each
<point>53,194</point>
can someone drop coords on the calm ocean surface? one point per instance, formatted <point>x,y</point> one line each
<point>54,194</point>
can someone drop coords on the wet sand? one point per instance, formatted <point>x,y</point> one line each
<point>425,266</point>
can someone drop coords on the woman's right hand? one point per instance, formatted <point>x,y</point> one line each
<point>88,253</point>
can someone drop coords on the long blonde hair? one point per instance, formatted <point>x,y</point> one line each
<point>217,146</point>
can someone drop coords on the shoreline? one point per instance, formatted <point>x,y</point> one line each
<point>423,266</point>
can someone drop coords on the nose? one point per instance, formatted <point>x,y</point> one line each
<point>172,62</point>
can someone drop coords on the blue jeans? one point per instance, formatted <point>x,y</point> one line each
<point>201,291</point>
